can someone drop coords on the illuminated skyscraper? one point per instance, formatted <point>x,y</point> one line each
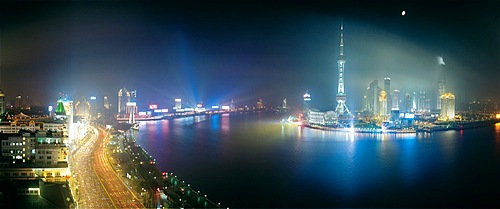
<point>19,102</point>
<point>387,89</point>
<point>366,100</point>
<point>447,107</point>
<point>383,103</point>
<point>2,102</point>
<point>125,96</point>
<point>106,103</point>
<point>132,103</point>
<point>82,107</point>
<point>395,99</point>
<point>133,96</point>
<point>341,96</point>
<point>372,98</point>
<point>421,102</point>
<point>306,106</point>
<point>93,107</point>
<point>414,102</point>
<point>395,105</point>
<point>178,104</point>
<point>27,103</point>
<point>69,108</point>
<point>441,81</point>
<point>122,100</point>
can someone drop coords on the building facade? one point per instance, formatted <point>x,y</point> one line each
<point>447,107</point>
<point>2,103</point>
<point>387,89</point>
<point>306,105</point>
<point>124,97</point>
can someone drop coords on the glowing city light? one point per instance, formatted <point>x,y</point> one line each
<point>153,106</point>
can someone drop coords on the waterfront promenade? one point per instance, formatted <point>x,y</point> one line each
<point>157,189</point>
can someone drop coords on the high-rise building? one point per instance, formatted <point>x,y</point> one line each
<point>395,105</point>
<point>383,103</point>
<point>414,102</point>
<point>366,102</point>
<point>125,96</point>
<point>64,111</point>
<point>427,104</point>
<point>178,104</point>
<point>122,100</point>
<point>106,103</point>
<point>341,95</point>
<point>131,105</point>
<point>395,99</point>
<point>387,89</point>
<point>407,103</point>
<point>441,81</point>
<point>131,111</point>
<point>421,102</point>
<point>373,97</point>
<point>2,102</point>
<point>18,102</point>
<point>306,105</point>
<point>93,107</point>
<point>68,107</point>
<point>133,96</point>
<point>27,103</point>
<point>447,107</point>
<point>82,107</point>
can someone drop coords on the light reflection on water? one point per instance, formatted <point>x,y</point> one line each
<point>252,160</point>
<point>497,138</point>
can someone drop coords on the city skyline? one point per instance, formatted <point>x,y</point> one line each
<point>202,51</point>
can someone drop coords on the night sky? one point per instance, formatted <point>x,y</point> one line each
<point>215,51</point>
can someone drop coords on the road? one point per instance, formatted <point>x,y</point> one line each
<point>121,196</point>
<point>94,183</point>
<point>88,190</point>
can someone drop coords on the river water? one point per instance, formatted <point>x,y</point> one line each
<point>252,160</point>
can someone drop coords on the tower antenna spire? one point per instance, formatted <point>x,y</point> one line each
<point>342,38</point>
<point>341,108</point>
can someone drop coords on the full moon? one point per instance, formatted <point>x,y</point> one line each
<point>403,13</point>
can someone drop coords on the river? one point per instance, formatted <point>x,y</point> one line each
<point>252,160</point>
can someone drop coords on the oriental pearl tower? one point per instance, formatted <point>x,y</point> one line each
<point>341,108</point>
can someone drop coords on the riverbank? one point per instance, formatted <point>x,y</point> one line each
<point>445,126</point>
<point>253,161</point>
<point>362,130</point>
<point>156,189</point>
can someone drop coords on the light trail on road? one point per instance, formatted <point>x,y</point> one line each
<point>94,182</point>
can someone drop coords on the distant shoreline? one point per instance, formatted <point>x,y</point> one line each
<point>462,125</point>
